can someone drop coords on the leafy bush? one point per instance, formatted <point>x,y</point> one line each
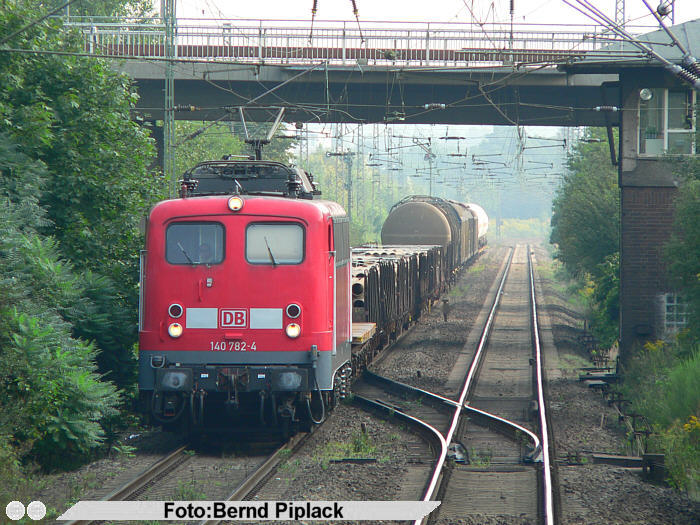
<point>49,379</point>
<point>606,301</point>
<point>51,398</point>
<point>72,116</point>
<point>586,209</point>
<point>585,231</point>
<point>662,383</point>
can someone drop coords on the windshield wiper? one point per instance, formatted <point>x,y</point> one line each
<point>185,253</point>
<point>272,257</point>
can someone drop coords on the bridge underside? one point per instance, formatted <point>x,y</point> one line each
<point>343,94</point>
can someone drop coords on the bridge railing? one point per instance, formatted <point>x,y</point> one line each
<point>344,43</point>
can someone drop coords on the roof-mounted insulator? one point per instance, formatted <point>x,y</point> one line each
<point>690,77</point>
<point>691,64</point>
<point>187,186</point>
<point>313,15</point>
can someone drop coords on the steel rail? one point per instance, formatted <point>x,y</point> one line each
<point>509,427</point>
<point>467,386</point>
<point>246,488</point>
<point>127,490</point>
<point>544,431</point>
<point>432,435</point>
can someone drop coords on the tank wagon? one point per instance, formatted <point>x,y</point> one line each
<point>459,228</point>
<point>254,310</point>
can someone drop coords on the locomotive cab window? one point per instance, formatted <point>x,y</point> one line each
<point>194,243</point>
<point>274,243</point>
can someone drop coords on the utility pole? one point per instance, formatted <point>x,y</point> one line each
<point>429,156</point>
<point>512,14</point>
<point>620,12</point>
<point>170,21</point>
<point>347,157</point>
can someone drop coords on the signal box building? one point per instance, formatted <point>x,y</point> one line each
<point>658,124</point>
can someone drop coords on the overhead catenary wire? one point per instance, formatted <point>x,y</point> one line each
<point>689,61</point>
<point>598,16</point>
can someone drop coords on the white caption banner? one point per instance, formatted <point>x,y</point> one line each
<point>247,510</point>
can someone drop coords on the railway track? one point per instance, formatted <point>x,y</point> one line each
<point>249,487</point>
<point>497,438</point>
<point>136,486</point>
<point>152,482</point>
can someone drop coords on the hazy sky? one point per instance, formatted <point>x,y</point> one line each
<point>530,11</point>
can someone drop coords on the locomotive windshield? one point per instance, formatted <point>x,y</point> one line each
<point>194,243</point>
<point>274,243</point>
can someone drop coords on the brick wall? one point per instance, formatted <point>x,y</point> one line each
<point>646,223</point>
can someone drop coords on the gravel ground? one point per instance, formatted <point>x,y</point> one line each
<point>98,478</point>
<point>311,474</point>
<point>425,357</point>
<point>583,423</point>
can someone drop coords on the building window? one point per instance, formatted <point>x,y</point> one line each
<point>675,313</point>
<point>666,121</point>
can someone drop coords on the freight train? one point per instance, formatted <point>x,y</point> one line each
<point>254,310</point>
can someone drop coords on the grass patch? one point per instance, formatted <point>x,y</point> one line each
<point>477,268</point>
<point>480,458</point>
<point>360,445</point>
<point>572,362</point>
<point>187,491</point>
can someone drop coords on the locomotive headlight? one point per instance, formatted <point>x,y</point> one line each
<point>235,203</point>
<point>175,310</point>
<point>293,330</point>
<point>293,310</point>
<point>175,330</point>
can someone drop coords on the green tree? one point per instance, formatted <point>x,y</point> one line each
<point>372,200</point>
<point>51,398</point>
<point>683,249</point>
<point>585,229</point>
<point>72,114</point>
<point>586,208</point>
<point>199,141</point>
<point>105,8</point>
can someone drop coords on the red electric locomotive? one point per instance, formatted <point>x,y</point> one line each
<point>245,300</point>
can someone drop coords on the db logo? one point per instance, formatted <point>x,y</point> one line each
<point>234,318</point>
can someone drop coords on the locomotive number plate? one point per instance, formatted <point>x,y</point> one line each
<point>232,346</point>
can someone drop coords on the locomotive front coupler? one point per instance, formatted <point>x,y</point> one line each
<point>197,401</point>
<point>287,409</point>
<point>231,386</point>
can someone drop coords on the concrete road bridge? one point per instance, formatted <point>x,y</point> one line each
<point>383,72</point>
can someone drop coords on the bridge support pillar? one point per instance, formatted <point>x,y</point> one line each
<point>158,135</point>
